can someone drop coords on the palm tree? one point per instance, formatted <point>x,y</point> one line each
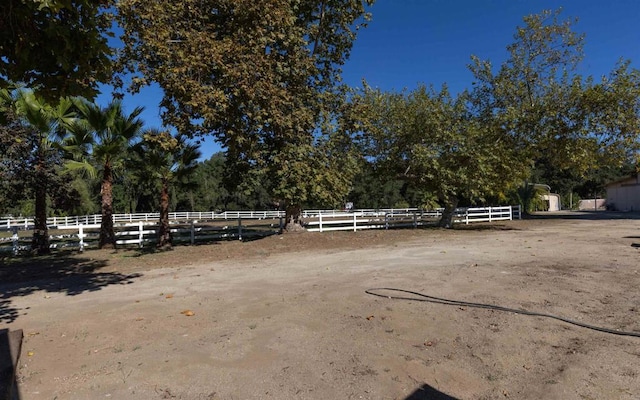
<point>100,139</point>
<point>168,159</point>
<point>49,123</point>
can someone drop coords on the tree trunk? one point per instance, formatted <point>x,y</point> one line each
<point>293,221</point>
<point>446,221</point>
<point>107,235</point>
<point>164,233</point>
<point>40,242</point>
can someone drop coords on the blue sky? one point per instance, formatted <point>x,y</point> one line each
<point>430,41</point>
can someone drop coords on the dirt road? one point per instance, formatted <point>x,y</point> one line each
<point>288,317</point>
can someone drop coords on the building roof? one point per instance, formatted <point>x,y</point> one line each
<point>635,177</point>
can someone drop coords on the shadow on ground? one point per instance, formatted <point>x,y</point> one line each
<point>426,392</point>
<point>488,226</point>
<point>67,274</point>
<point>584,215</point>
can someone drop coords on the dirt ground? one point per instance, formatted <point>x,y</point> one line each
<point>287,317</point>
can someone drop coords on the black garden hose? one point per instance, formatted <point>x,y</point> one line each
<point>439,300</point>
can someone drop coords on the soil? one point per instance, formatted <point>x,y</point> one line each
<point>287,317</point>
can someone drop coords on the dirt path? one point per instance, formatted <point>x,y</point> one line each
<point>298,325</point>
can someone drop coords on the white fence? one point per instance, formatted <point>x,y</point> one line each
<point>385,219</point>
<point>191,227</point>
<point>144,233</point>
<point>95,219</point>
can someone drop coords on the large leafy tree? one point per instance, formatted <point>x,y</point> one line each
<point>16,143</point>
<point>206,191</point>
<point>257,74</point>
<point>44,126</point>
<point>433,140</point>
<point>166,159</point>
<point>56,47</point>
<point>100,140</point>
<point>569,122</point>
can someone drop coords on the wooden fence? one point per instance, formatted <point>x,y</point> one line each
<point>191,227</point>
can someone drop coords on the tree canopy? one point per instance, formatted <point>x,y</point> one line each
<point>257,74</point>
<point>56,47</point>
<point>538,96</point>
<point>432,139</point>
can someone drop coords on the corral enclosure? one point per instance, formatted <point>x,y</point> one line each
<point>141,230</point>
<point>287,317</point>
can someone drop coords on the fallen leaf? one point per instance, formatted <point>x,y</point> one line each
<point>169,296</point>
<point>33,333</point>
<point>370,317</point>
<point>139,319</point>
<point>188,313</point>
<point>30,353</point>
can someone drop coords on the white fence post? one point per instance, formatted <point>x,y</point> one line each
<point>14,240</point>
<point>81,237</point>
<point>239,227</point>
<point>510,213</point>
<point>355,223</point>
<point>490,214</point>
<point>466,217</point>
<point>320,220</point>
<point>140,233</point>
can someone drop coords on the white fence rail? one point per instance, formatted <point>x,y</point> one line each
<point>96,219</point>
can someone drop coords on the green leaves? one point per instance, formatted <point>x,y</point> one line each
<point>57,47</point>
<point>256,74</point>
<point>555,115</point>
<point>435,142</point>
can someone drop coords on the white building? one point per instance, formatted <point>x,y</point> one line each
<point>624,194</point>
